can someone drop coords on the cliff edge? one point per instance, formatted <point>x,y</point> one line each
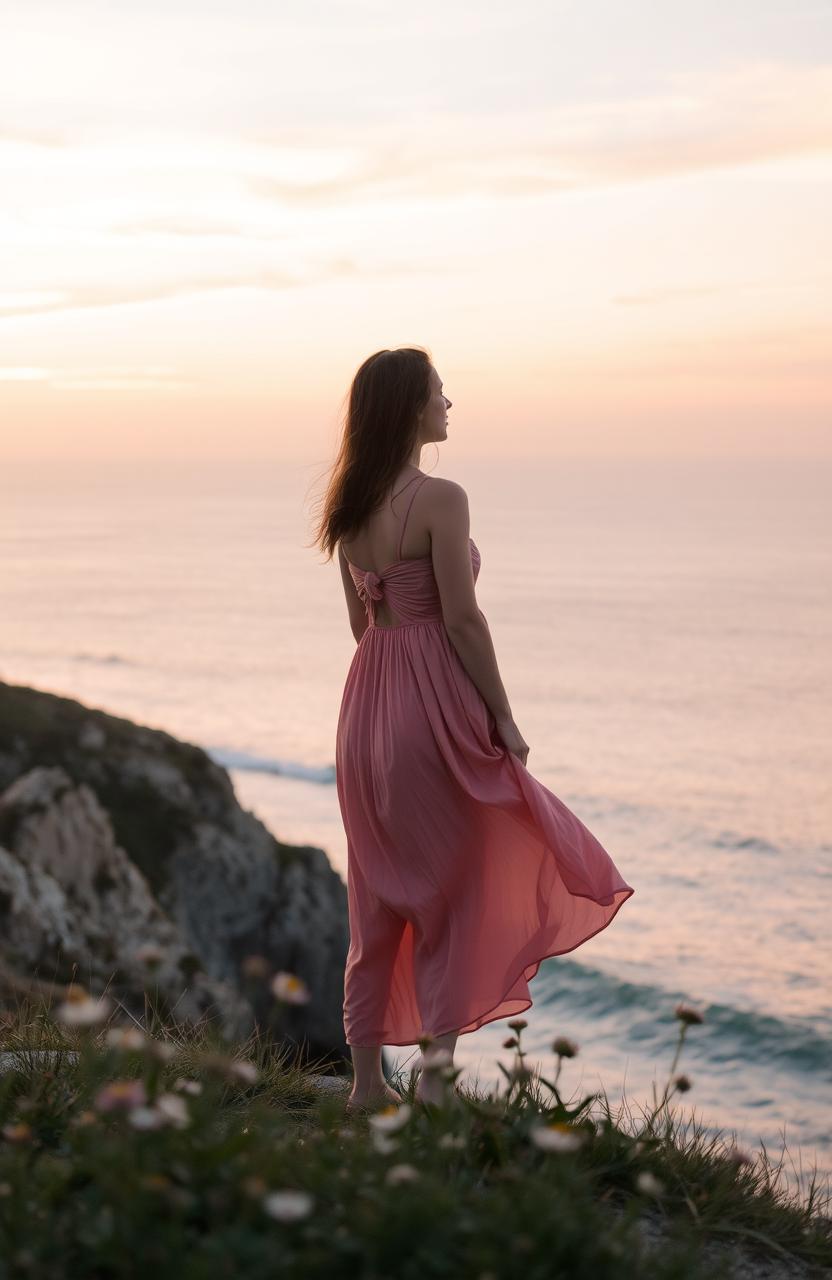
<point>118,840</point>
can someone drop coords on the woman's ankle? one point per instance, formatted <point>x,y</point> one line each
<point>376,1088</point>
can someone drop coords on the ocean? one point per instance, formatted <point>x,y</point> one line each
<point>663,629</point>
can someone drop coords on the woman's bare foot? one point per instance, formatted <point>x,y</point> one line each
<point>436,1092</point>
<point>378,1097</point>
<point>434,1085</point>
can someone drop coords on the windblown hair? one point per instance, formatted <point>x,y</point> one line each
<point>380,431</point>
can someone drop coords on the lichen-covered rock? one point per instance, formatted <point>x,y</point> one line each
<point>114,835</point>
<point>74,908</point>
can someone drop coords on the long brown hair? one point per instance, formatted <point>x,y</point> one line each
<point>379,434</point>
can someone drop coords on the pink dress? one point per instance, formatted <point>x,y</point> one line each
<point>463,871</point>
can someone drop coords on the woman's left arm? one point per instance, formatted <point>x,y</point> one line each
<point>355,607</point>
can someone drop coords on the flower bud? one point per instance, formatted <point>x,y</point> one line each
<point>687,1014</point>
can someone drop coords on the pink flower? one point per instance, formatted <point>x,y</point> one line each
<point>173,1109</point>
<point>121,1095</point>
<point>125,1038</point>
<point>80,1009</point>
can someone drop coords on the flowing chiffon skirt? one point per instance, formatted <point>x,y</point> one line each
<point>464,871</point>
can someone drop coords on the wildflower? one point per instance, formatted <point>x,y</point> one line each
<point>401,1173</point>
<point>511,1043</point>
<point>162,1050</point>
<point>518,1024</point>
<point>242,1069</point>
<point>125,1038</point>
<point>425,1042</point>
<point>149,955</point>
<point>145,1118</point>
<point>120,1095</point>
<point>649,1184</point>
<point>564,1047</point>
<point>193,1087</point>
<point>687,1014</point>
<point>254,967</point>
<point>391,1119</point>
<point>682,1083</point>
<point>288,1206</point>
<point>451,1142</point>
<point>81,1009</point>
<point>232,1069</point>
<point>557,1136</point>
<point>383,1143</point>
<point>173,1109</point>
<point>290,988</point>
<point>17,1133</point>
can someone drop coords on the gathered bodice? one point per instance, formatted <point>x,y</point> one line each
<point>409,586</point>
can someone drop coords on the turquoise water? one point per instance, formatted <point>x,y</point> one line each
<point>663,630</point>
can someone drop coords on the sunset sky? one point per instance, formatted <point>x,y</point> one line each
<point>609,223</point>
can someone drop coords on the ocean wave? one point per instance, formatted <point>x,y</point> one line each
<point>104,659</point>
<point>644,1011</point>
<point>732,840</point>
<point>231,759</point>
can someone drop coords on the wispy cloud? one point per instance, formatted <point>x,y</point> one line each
<point>699,122</point>
<point>23,373</point>
<point>672,294</point>
<point>123,295</point>
<point>109,378</point>
<point>48,138</point>
<point>185,227</point>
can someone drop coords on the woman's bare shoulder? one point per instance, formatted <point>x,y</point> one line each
<point>446,493</point>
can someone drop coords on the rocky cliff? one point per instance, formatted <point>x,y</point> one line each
<point>116,839</point>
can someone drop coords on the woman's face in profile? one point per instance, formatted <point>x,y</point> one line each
<point>435,414</point>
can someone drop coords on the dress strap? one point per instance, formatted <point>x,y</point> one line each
<point>406,485</point>
<point>406,514</point>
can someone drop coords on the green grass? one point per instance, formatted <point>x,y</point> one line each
<point>463,1190</point>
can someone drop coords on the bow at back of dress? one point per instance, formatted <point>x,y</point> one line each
<point>408,586</point>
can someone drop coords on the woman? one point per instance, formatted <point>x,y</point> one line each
<point>464,872</point>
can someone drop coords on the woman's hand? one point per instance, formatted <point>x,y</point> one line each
<point>512,739</point>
